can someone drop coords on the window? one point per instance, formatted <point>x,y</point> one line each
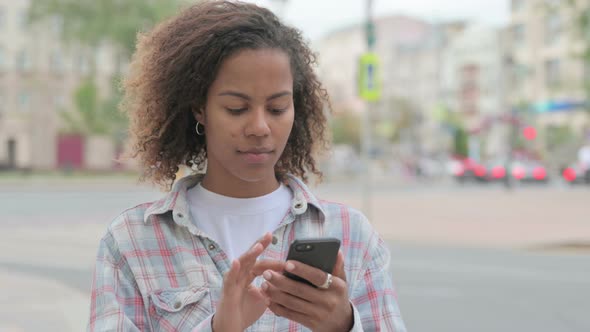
<point>552,28</point>
<point>82,65</point>
<point>517,5</point>
<point>586,75</point>
<point>552,73</point>
<point>24,100</point>
<point>2,18</point>
<point>23,20</point>
<point>2,59</point>
<point>23,61</point>
<point>59,101</point>
<point>56,63</point>
<point>57,24</point>
<point>518,35</point>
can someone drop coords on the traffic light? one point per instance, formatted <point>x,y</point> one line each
<point>529,132</point>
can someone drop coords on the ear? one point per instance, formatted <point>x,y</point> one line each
<point>199,114</point>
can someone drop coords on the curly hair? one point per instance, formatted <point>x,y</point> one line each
<point>176,63</point>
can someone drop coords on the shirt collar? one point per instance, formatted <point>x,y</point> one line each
<point>176,201</point>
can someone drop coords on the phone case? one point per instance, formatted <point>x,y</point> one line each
<point>322,255</point>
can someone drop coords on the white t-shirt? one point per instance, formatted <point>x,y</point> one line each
<point>236,223</point>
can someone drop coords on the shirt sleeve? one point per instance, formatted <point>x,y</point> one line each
<point>116,303</point>
<point>373,298</point>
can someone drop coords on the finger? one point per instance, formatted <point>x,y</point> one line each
<point>307,272</point>
<point>287,300</point>
<point>265,240</point>
<point>267,264</point>
<point>338,270</point>
<point>257,293</point>
<point>295,288</point>
<point>231,277</point>
<point>249,257</point>
<point>300,318</point>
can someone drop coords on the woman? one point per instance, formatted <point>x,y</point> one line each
<point>226,89</point>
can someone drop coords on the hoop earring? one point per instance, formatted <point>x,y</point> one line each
<point>200,133</point>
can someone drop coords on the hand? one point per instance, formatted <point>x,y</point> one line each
<point>317,309</point>
<point>241,303</point>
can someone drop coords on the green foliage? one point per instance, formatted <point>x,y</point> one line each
<point>346,129</point>
<point>92,22</point>
<point>94,116</point>
<point>404,118</point>
<point>581,28</point>
<point>556,136</point>
<point>460,142</point>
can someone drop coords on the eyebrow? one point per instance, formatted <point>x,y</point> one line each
<point>246,97</point>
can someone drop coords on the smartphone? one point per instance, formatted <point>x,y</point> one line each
<point>320,253</point>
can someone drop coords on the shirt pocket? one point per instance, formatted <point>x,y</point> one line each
<point>179,309</point>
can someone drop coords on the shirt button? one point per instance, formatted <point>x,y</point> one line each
<point>177,305</point>
<point>274,240</point>
<point>180,215</point>
<point>298,206</point>
<point>211,246</point>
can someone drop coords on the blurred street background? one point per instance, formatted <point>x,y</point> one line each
<point>462,130</point>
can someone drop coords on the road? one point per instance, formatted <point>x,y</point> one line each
<point>463,259</point>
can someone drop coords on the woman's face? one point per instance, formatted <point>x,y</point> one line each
<point>248,118</point>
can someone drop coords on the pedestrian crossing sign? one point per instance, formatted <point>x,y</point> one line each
<point>369,83</point>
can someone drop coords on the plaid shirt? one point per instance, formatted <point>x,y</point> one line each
<point>156,271</point>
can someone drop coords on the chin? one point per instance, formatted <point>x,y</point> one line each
<point>255,175</point>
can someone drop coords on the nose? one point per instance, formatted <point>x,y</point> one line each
<point>257,124</point>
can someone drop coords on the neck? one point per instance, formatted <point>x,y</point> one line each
<point>238,188</point>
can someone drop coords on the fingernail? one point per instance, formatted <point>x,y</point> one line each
<point>264,286</point>
<point>255,247</point>
<point>267,275</point>
<point>289,266</point>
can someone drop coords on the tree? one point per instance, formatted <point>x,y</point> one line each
<point>91,23</point>
<point>346,129</point>
<point>460,142</point>
<point>580,11</point>
<point>404,118</point>
<point>94,116</point>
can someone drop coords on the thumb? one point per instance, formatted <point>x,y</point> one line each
<point>338,270</point>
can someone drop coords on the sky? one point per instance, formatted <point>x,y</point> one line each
<point>317,18</point>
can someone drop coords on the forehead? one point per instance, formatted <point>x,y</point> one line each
<point>253,70</point>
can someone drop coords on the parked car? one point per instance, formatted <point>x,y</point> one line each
<point>496,170</point>
<point>467,169</point>
<point>576,173</point>
<point>529,171</point>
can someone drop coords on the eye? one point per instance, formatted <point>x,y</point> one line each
<point>278,111</point>
<point>236,111</point>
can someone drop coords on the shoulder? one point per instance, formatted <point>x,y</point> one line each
<point>128,225</point>
<point>353,223</point>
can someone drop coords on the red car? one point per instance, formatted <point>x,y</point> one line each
<point>464,169</point>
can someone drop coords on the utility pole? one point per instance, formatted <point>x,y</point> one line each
<point>370,91</point>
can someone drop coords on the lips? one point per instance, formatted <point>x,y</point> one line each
<point>256,150</point>
<point>256,155</point>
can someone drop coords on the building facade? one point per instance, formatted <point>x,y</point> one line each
<point>410,52</point>
<point>475,87</point>
<point>547,67</point>
<point>38,76</point>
